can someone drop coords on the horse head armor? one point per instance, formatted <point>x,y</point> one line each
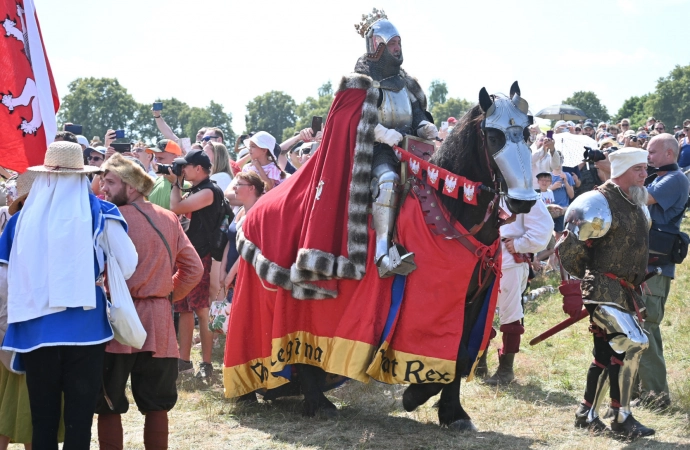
<point>509,115</point>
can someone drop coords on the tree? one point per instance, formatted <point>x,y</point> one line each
<point>309,108</point>
<point>98,104</point>
<point>437,93</point>
<point>671,100</point>
<point>636,109</point>
<point>272,112</point>
<point>588,102</point>
<point>453,107</point>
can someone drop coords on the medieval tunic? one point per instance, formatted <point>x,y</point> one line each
<point>621,254</point>
<point>150,285</point>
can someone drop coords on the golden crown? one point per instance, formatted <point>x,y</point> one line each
<point>368,19</point>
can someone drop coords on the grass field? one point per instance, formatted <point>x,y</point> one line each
<point>536,411</point>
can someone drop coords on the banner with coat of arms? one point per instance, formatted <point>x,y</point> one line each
<point>452,183</point>
<point>28,97</point>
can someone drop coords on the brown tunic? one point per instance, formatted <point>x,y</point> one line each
<point>622,252</point>
<point>154,279</point>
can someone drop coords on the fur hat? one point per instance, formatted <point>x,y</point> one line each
<point>625,158</point>
<point>130,172</point>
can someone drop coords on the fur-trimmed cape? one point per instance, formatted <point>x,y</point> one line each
<point>312,230</point>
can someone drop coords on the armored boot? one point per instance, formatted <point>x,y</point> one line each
<point>595,426</point>
<point>504,374</point>
<point>390,259</point>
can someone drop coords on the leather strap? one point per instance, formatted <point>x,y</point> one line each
<point>167,247</point>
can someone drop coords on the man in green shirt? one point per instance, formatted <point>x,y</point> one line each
<point>164,152</point>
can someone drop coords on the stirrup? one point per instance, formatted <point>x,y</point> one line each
<point>397,262</point>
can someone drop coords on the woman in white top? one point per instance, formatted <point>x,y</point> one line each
<point>220,169</point>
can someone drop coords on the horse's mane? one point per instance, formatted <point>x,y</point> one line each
<point>462,153</point>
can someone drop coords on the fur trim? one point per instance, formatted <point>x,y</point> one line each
<point>315,264</point>
<point>130,172</point>
<point>268,270</point>
<point>416,90</point>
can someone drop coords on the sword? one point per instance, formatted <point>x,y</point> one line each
<point>571,320</point>
<point>559,327</point>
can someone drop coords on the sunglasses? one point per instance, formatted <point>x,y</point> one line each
<point>659,128</point>
<point>94,158</point>
<point>208,138</point>
<point>625,125</point>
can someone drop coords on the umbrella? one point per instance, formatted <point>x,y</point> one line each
<point>572,146</point>
<point>561,112</point>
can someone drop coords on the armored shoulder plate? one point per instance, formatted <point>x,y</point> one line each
<point>589,216</point>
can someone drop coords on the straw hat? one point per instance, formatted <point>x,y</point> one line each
<point>24,183</point>
<point>64,157</point>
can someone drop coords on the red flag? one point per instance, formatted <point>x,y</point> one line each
<point>470,190</point>
<point>415,165</point>
<point>28,97</point>
<point>432,176</point>
<point>450,185</point>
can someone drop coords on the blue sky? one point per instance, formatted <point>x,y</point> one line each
<point>231,51</point>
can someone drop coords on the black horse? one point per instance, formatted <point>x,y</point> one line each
<point>468,151</point>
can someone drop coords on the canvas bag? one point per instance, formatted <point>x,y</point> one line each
<point>122,314</point>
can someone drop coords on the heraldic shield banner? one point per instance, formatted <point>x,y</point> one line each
<point>28,98</point>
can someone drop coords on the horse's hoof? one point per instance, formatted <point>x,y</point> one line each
<point>328,413</point>
<point>463,425</point>
<point>409,402</point>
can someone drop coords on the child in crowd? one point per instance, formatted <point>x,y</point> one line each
<point>544,180</point>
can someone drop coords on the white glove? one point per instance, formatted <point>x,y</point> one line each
<point>386,136</point>
<point>427,130</point>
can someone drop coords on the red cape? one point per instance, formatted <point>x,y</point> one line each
<point>308,293</point>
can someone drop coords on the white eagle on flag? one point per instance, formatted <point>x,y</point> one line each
<point>433,175</point>
<point>450,183</point>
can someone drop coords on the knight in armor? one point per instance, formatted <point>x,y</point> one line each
<point>401,110</point>
<point>606,246</point>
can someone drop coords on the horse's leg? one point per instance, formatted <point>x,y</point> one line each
<point>450,411</point>
<point>312,380</point>
<point>417,394</point>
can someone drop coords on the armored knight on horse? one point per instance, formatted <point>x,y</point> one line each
<point>310,298</point>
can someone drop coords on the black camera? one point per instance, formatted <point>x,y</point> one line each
<point>593,155</point>
<point>175,168</point>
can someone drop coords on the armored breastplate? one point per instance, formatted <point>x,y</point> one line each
<point>395,110</point>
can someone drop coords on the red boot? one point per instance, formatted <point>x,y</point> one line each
<point>110,432</point>
<point>156,430</point>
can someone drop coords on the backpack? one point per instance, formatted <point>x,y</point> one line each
<point>219,233</point>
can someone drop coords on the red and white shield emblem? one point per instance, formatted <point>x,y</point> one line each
<point>28,98</point>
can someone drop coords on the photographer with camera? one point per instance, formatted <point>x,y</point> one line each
<point>164,153</point>
<point>667,197</point>
<point>595,168</point>
<point>203,203</point>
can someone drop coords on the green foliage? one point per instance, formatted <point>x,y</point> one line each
<point>101,103</point>
<point>671,101</point>
<point>437,93</point>
<point>273,112</point>
<point>637,109</point>
<point>453,107</point>
<point>98,104</point>
<point>588,102</point>
<point>309,108</point>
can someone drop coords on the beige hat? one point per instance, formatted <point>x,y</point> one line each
<point>130,172</point>
<point>24,183</point>
<point>64,157</point>
<point>625,158</point>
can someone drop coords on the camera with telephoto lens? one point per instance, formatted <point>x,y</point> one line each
<point>166,169</point>
<point>593,155</point>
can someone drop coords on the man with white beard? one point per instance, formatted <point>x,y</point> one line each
<point>606,246</point>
